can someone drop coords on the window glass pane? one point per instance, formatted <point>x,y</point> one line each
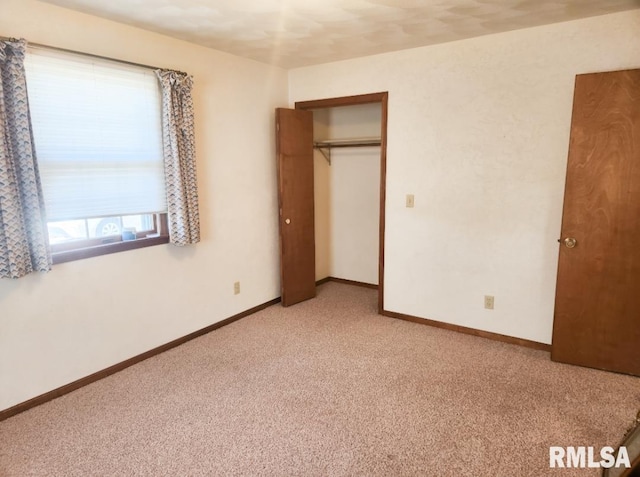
<point>107,226</point>
<point>104,227</point>
<point>140,223</point>
<point>67,231</point>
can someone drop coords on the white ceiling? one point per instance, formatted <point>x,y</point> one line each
<point>292,33</point>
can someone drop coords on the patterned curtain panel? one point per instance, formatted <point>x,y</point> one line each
<point>24,246</point>
<point>179,157</point>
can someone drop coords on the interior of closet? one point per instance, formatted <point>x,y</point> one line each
<point>347,191</point>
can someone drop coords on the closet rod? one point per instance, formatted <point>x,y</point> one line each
<point>356,144</point>
<point>325,146</point>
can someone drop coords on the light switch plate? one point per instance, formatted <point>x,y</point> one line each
<point>410,200</point>
<point>488,302</point>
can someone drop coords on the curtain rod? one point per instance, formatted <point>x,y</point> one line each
<point>90,55</point>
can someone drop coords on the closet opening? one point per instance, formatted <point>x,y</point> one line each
<point>349,176</point>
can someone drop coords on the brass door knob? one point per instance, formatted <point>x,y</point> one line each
<point>570,242</point>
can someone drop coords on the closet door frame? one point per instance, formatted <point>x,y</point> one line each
<point>383,99</point>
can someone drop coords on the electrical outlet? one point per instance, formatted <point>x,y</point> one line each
<point>236,288</point>
<point>410,200</point>
<point>488,302</point>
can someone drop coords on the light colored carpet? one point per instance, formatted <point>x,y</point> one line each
<point>327,387</point>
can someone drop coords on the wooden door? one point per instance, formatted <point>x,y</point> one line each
<point>294,151</point>
<point>597,314</point>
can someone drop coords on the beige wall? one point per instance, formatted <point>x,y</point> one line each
<point>478,131</point>
<point>87,315</point>
<point>355,211</point>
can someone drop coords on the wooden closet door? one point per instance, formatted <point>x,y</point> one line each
<point>294,151</point>
<point>597,314</point>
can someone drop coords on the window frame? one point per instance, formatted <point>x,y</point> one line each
<point>93,247</point>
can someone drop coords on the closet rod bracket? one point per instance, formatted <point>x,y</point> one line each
<point>325,151</point>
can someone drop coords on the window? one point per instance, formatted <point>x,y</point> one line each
<point>98,138</point>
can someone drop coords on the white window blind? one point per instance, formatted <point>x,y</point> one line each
<point>98,137</point>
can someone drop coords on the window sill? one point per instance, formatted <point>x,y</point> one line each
<point>88,252</point>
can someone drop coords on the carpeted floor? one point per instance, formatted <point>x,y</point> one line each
<point>327,387</point>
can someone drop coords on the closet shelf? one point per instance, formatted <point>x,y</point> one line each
<point>325,146</point>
